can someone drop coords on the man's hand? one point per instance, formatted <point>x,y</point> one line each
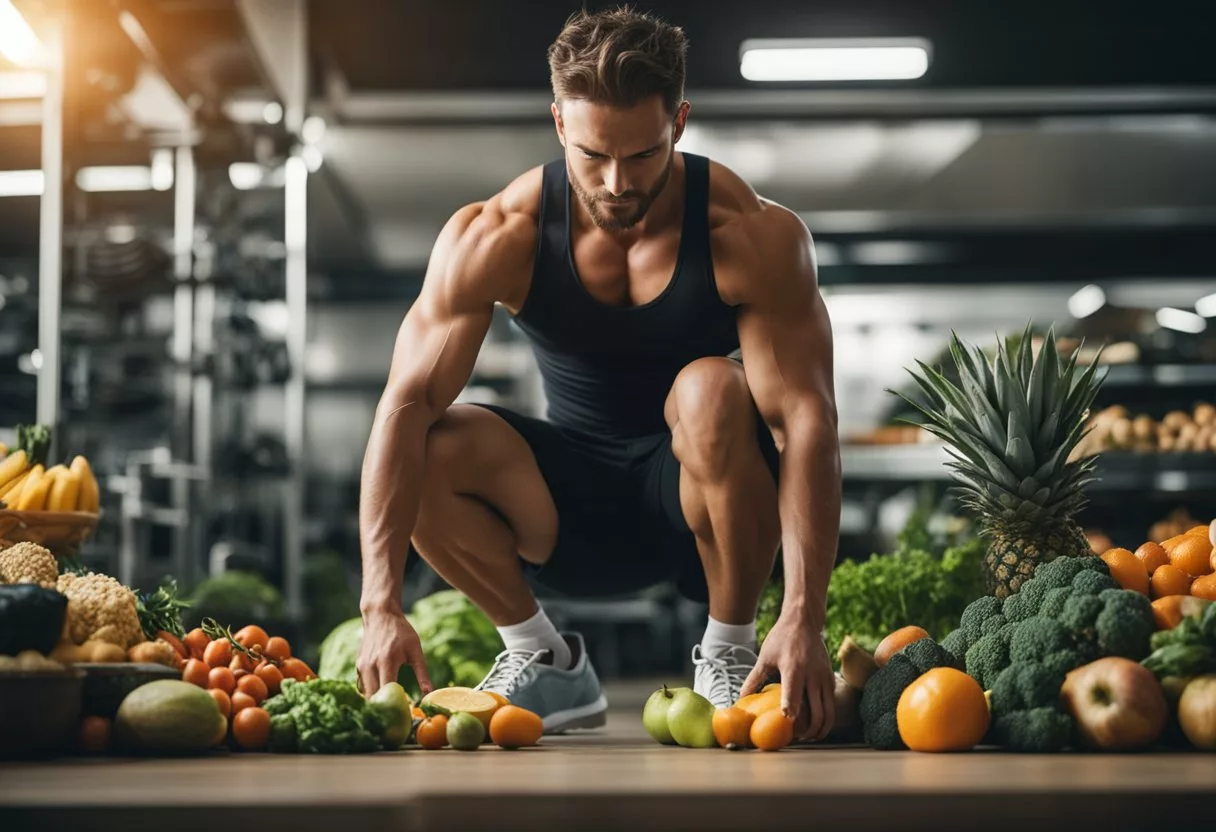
<point>389,641</point>
<point>795,651</point>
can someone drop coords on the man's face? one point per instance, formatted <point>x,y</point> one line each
<point>619,160</point>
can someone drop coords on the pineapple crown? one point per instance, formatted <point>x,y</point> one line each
<point>1011,428</point>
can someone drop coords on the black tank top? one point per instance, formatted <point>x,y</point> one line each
<point>607,370</point>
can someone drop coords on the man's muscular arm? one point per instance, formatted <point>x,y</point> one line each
<point>471,265</point>
<point>786,339</point>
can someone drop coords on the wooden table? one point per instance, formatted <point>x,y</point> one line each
<point>615,779</point>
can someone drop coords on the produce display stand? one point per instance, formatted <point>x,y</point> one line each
<point>617,779</point>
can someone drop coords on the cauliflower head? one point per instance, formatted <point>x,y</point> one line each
<point>100,609</point>
<point>28,563</point>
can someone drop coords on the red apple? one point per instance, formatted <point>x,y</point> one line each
<point>1118,704</point>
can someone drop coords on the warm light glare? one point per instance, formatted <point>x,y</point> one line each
<point>1086,301</point>
<point>21,182</point>
<point>18,86</point>
<point>115,178</point>
<point>827,60</point>
<point>1206,306</point>
<point>1181,320</point>
<point>18,42</point>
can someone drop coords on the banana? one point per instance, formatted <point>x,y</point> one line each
<point>12,467</point>
<point>3,450</point>
<point>90,493</point>
<point>33,491</point>
<point>64,490</point>
<point>11,492</point>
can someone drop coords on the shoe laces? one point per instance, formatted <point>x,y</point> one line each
<point>726,676</point>
<point>509,667</point>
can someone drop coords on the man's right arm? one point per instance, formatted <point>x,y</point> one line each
<point>436,349</point>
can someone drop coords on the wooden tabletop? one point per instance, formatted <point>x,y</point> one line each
<point>614,779</point>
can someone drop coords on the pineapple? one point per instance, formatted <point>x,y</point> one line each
<point>1011,428</point>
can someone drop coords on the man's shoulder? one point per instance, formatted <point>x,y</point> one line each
<point>748,232</point>
<point>490,244</point>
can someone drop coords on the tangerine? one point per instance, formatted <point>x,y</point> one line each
<point>896,641</point>
<point>1170,580</point>
<point>943,710</point>
<point>772,731</point>
<point>1193,555</point>
<point>1127,570</point>
<point>1151,555</point>
<point>733,725</point>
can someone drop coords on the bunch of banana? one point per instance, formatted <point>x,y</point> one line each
<point>26,485</point>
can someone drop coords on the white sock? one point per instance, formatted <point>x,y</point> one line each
<point>719,637</point>
<point>537,633</point>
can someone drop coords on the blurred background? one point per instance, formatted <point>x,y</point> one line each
<point>215,213</point>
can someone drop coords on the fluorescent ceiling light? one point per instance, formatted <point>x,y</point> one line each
<point>313,158</point>
<point>1086,301</point>
<point>1206,306</point>
<point>313,130</point>
<point>1181,320</point>
<point>899,59</point>
<point>115,178</point>
<point>18,42</point>
<point>245,176</point>
<point>22,85</point>
<point>21,183</point>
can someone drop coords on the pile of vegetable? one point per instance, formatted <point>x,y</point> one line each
<point>325,716</point>
<point>460,643</point>
<point>929,578</point>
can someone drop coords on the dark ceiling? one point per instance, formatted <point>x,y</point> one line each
<point>383,45</point>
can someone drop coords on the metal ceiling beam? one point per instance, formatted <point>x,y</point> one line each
<point>278,30</point>
<point>397,109</point>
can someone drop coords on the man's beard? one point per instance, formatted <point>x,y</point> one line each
<point>610,220</point>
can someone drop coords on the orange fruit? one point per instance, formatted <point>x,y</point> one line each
<point>759,703</point>
<point>1152,556</point>
<point>943,710</point>
<point>432,732</point>
<point>772,731</point>
<point>1167,611</point>
<point>1193,555</point>
<point>733,725</point>
<point>1199,530</point>
<point>251,729</point>
<point>1127,570</point>
<point>1204,587</point>
<point>897,641</point>
<point>1170,580</point>
<point>514,727</point>
<point>499,698</point>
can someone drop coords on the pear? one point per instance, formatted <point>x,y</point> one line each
<point>654,716</point>
<point>690,718</point>
<point>394,703</point>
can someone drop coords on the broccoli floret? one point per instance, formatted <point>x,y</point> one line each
<point>989,656</point>
<point>1026,685</point>
<point>1080,616</point>
<point>1125,625</point>
<point>1059,572</point>
<point>1021,606</point>
<point>1039,730</point>
<point>1092,583</point>
<point>956,645</point>
<point>1062,662</point>
<point>974,616</point>
<point>880,698</point>
<point>1054,600</point>
<point>993,624</point>
<point>1036,638</point>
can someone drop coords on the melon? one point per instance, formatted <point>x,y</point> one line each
<point>169,716</point>
<point>448,701</point>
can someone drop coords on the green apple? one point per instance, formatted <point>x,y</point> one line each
<point>690,717</point>
<point>654,716</point>
<point>394,703</point>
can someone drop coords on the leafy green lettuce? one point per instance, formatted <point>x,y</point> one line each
<point>323,716</point>
<point>459,641</point>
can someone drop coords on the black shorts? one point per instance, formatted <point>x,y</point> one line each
<point>620,525</point>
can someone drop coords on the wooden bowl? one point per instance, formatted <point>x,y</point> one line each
<point>62,532</point>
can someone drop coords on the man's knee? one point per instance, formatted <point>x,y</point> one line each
<point>714,415</point>
<point>452,443</point>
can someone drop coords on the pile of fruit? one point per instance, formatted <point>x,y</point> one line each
<point>1115,429</point>
<point>28,482</point>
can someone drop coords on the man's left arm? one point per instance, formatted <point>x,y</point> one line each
<point>786,339</point>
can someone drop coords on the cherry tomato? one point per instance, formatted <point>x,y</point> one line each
<point>241,701</point>
<point>221,678</point>
<point>241,662</point>
<point>196,642</point>
<point>433,732</point>
<point>94,734</point>
<point>222,700</point>
<point>272,676</point>
<point>218,653</point>
<point>278,649</point>
<point>251,729</point>
<point>252,635</point>
<point>196,672</point>
<point>174,642</point>
<point>252,685</point>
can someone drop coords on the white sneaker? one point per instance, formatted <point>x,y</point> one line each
<point>720,678</point>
